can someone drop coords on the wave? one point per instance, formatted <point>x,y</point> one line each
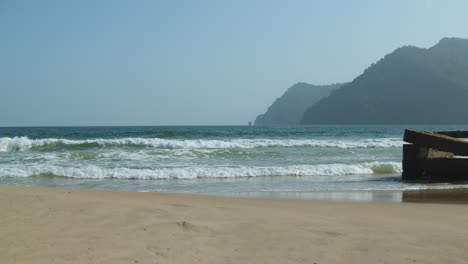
<point>95,172</point>
<point>8,144</point>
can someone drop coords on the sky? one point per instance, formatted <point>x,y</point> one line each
<point>200,62</point>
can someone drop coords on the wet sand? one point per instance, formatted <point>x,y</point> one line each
<point>444,196</point>
<point>47,225</point>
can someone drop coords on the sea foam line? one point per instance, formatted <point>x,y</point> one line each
<point>8,144</point>
<point>95,172</point>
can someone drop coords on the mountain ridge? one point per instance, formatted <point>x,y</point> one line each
<point>290,106</point>
<point>411,85</point>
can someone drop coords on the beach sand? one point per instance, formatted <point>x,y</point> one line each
<point>47,225</point>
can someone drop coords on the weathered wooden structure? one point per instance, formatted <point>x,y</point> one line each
<point>435,156</point>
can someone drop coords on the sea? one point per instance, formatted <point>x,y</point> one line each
<point>348,163</point>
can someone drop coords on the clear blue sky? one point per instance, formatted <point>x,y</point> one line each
<point>194,62</point>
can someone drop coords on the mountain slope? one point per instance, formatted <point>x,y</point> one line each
<point>409,86</point>
<point>289,108</point>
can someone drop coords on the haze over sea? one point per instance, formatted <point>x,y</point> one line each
<point>305,162</point>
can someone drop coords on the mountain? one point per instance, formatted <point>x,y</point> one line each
<point>409,86</point>
<point>289,108</point>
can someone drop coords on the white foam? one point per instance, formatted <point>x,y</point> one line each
<point>96,172</point>
<point>24,143</point>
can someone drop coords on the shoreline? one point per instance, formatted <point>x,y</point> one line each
<point>457,195</point>
<point>47,225</point>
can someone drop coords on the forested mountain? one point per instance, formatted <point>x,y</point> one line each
<point>289,108</point>
<point>409,86</point>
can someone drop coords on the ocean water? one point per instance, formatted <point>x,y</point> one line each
<point>300,162</point>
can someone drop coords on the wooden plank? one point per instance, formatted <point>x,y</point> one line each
<point>446,170</point>
<point>412,171</point>
<point>435,170</point>
<point>456,164</point>
<point>455,134</point>
<point>411,152</point>
<point>437,141</point>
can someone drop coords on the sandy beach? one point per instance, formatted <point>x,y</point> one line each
<point>47,225</point>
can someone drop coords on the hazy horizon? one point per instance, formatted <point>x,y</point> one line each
<point>122,63</point>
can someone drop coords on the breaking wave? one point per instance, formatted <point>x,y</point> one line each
<point>8,144</point>
<point>95,172</point>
